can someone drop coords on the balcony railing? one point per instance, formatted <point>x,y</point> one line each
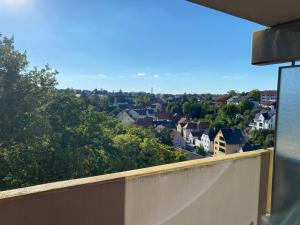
<point>225,190</point>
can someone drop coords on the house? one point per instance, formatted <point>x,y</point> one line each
<point>268,96</point>
<point>138,113</point>
<point>188,128</point>
<point>125,118</point>
<point>207,140</point>
<point>168,117</point>
<point>263,120</point>
<point>194,136</point>
<point>181,123</point>
<point>235,100</point>
<point>228,141</point>
<point>221,99</point>
<point>144,122</point>
<point>203,125</point>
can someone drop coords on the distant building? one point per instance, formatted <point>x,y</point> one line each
<point>194,136</point>
<point>221,99</point>
<point>125,118</point>
<point>203,125</point>
<point>181,123</point>
<point>235,100</point>
<point>263,120</point>
<point>188,128</point>
<point>168,117</point>
<point>138,113</point>
<point>267,97</point>
<point>144,122</point>
<point>207,140</point>
<point>228,141</point>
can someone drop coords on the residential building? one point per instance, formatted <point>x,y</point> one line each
<point>221,99</point>
<point>268,96</point>
<point>125,118</point>
<point>181,123</point>
<point>235,100</point>
<point>203,125</point>
<point>228,141</point>
<point>168,117</point>
<point>144,122</point>
<point>207,140</point>
<point>138,113</point>
<point>194,136</point>
<point>263,120</point>
<point>188,128</point>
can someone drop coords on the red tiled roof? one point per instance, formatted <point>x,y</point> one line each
<point>145,122</point>
<point>191,126</point>
<point>164,116</point>
<point>269,92</point>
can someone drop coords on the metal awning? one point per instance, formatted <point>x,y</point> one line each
<point>265,12</point>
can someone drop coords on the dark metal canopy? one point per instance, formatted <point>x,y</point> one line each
<point>265,12</point>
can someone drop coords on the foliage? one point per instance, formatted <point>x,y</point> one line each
<point>200,151</point>
<point>48,135</point>
<point>261,138</point>
<point>255,94</point>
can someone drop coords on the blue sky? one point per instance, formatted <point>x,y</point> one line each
<point>171,45</point>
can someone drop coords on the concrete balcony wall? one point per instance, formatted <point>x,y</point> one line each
<point>225,190</point>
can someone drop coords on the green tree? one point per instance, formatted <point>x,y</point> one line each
<point>255,94</point>
<point>245,105</point>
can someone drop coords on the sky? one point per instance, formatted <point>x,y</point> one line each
<point>172,46</point>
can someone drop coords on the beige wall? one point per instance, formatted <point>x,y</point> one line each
<point>226,190</point>
<point>229,149</point>
<point>226,193</point>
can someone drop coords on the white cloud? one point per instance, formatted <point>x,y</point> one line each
<point>103,76</point>
<point>156,76</point>
<point>141,74</point>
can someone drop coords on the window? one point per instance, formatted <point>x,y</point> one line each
<point>222,149</point>
<point>222,144</point>
<point>222,138</point>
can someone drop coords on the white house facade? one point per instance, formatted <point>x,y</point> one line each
<point>263,121</point>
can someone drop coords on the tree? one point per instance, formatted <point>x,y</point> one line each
<point>48,135</point>
<point>232,93</point>
<point>255,94</point>
<point>200,151</point>
<point>245,105</point>
<point>192,109</point>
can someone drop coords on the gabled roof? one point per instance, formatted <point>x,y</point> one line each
<point>233,136</point>
<point>222,98</point>
<point>164,116</point>
<point>191,126</point>
<point>266,115</point>
<point>269,92</point>
<point>141,111</point>
<point>196,133</point>
<point>203,125</point>
<point>211,133</point>
<point>144,122</point>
